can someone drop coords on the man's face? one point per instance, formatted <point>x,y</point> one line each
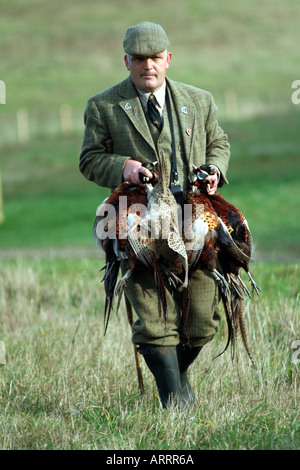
<point>148,73</point>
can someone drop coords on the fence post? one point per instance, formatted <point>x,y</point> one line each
<point>23,125</point>
<point>2,92</point>
<point>65,119</point>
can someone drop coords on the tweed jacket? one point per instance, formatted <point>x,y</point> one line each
<point>116,129</point>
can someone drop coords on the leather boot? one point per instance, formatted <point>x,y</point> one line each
<point>186,355</point>
<point>162,362</point>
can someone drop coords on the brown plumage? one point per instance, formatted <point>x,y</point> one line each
<point>204,233</point>
<point>224,247</point>
<point>231,266</point>
<point>237,226</point>
<point>109,226</point>
<point>147,218</point>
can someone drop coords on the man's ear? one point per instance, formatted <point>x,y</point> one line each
<point>127,62</point>
<point>169,57</point>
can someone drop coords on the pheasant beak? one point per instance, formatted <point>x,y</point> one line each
<point>201,174</point>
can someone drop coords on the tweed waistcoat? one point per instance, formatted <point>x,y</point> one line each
<point>163,144</point>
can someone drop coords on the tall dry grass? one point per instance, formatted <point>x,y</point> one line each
<point>65,386</point>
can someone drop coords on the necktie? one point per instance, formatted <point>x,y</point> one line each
<point>153,112</point>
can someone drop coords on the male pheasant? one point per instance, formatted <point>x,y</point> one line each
<point>223,245</point>
<point>231,266</point>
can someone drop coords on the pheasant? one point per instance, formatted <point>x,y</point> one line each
<point>169,245</point>
<point>145,234</point>
<point>205,231</point>
<point>162,248</point>
<point>231,266</point>
<point>238,227</point>
<point>221,249</point>
<point>109,226</point>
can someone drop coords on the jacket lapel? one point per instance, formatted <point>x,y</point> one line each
<point>132,107</point>
<point>185,114</point>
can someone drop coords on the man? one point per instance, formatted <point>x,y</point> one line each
<point>120,136</point>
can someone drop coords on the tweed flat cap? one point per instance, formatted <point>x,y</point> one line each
<point>145,39</point>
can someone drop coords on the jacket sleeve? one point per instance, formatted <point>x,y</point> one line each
<point>97,162</point>
<point>217,145</point>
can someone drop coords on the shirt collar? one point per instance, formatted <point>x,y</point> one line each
<point>159,94</point>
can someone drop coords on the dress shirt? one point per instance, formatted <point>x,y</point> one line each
<point>160,96</point>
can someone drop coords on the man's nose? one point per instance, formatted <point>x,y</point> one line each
<point>148,63</point>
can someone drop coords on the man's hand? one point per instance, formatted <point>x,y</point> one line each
<point>131,172</point>
<point>214,179</point>
<point>207,178</point>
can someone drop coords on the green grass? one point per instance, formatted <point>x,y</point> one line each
<point>66,386</point>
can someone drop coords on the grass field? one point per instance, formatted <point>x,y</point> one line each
<point>64,385</point>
